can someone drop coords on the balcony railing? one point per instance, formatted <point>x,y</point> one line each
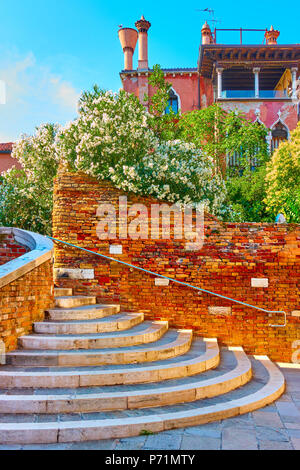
<point>269,94</point>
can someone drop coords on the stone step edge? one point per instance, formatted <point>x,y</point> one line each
<point>205,361</point>
<point>62,291</point>
<point>213,387</point>
<point>76,300</point>
<point>123,323</point>
<point>175,348</point>
<point>40,341</point>
<point>92,430</point>
<point>94,312</point>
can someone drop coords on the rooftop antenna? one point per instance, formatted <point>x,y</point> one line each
<point>211,19</point>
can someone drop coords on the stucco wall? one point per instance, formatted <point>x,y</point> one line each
<point>267,111</point>
<point>7,162</point>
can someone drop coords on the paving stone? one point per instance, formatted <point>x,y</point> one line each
<point>270,408</point>
<point>275,445</point>
<point>10,447</point>
<point>289,412</point>
<point>70,417</point>
<point>243,421</point>
<point>292,425</point>
<point>265,418</point>
<point>293,383</point>
<point>107,444</point>
<point>238,439</point>
<point>7,418</point>
<point>163,441</point>
<point>192,442</point>
<point>205,430</point>
<point>47,447</point>
<point>296,443</point>
<point>133,443</point>
<point>294,433</point>
<point>285,397</point>
<point>264,433</point>
<point>287,409</point>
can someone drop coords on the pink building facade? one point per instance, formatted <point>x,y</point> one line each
<point>6,160</point>
<point>262,81</point>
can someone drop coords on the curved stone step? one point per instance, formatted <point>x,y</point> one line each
<point>147,332</point>
<point>120,424</point>
<point>62,291</point>
<point>84,312</point>
<point>69,301</point>
<point>123,321</point>
<point>194,361</point>
<point>166,393</point>
<point>162,349</point>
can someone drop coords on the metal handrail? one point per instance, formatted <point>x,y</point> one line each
<point>178,282</point>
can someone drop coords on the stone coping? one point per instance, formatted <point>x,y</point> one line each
<point>41,250</point>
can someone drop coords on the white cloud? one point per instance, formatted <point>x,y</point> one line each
<point>34,94</point>
<point>65,93</point>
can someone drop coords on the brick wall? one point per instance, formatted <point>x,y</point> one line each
<point>10,249</point>
<point>23,302</point>
<point>26,286</point>
<point>232,255</point>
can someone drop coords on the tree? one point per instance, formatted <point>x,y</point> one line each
<point>246,194</point>
<point>220,134</point>
<point>283,179</point>
<point>224,134</point>
<point>163,125</point>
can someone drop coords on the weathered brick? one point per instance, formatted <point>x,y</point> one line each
<point>231,256</point>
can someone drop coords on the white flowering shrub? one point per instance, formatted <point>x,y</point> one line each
<point>175,172</point>
<point>26,195</point>
<point>110,128</point>
<point>111,140</point>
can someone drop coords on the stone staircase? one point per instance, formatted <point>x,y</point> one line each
<point>91,372</point>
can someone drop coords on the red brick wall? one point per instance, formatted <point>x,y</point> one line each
<point>23,302</point>
<point>10,249</point>
<point>232,255</point>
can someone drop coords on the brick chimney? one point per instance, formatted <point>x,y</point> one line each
<point>143,25</point>
<point>128,38</point>
<point>271,36</point>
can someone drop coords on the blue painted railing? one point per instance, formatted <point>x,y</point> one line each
<point>178,282</point>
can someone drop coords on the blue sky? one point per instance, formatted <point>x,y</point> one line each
<point>52,50</point>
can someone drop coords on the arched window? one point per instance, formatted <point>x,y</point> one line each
<point>279,133</point>
<point>172,102</point>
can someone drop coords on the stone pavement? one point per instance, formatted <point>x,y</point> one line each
<point>275,427</point>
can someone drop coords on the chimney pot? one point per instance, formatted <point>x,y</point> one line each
<point>128,39</point>
<point>206,34</point>
<point>271,36</point>
<point>143,26</point>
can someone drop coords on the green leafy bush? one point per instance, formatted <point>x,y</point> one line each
<point>26,195</point>
<point>283,179</point>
